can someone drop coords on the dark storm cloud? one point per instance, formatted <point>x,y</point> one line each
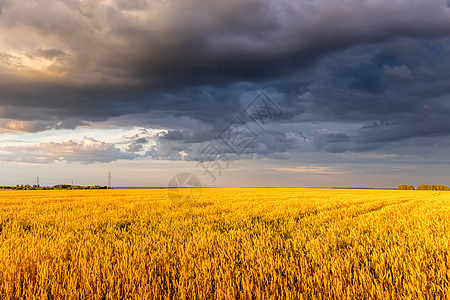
<point>404,97</point>
<point>189,68</point>
<point>179,44</point>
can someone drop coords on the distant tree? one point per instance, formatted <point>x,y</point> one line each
<point>423,187</point>
<point>434,187</point>
<point>55,187</point>
<point>405,187</point>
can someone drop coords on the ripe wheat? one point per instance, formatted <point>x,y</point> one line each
<point>229,244</point>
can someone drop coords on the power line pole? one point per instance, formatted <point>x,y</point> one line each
<point>37,181</point>
<point>109,180</point>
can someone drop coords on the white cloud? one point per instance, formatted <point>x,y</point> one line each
<point>309,170</point>
<point>398,72</point>
<point>88,150</point>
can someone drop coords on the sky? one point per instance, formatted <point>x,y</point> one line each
<point>279,93</point>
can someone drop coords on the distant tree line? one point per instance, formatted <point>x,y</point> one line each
<point>425,187</point>
<point>55,187</point>
<point>405,187</point>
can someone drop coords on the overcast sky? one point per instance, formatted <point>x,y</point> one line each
<point>239,92</point>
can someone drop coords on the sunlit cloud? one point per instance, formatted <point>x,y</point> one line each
<point>309,170</point>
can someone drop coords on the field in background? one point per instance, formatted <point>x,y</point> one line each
<point>229,244</point>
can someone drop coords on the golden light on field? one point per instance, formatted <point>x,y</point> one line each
<point>229,244</point>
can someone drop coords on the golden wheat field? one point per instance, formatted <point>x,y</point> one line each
<point>229,244</point>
